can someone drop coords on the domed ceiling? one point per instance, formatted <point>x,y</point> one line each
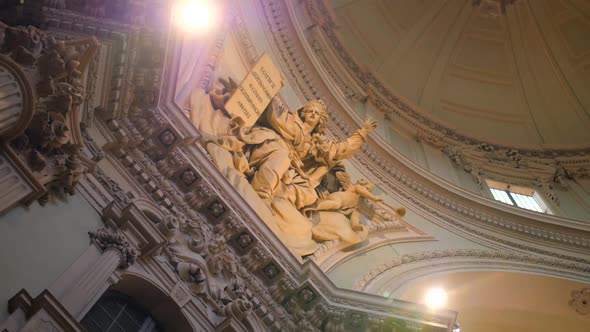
<point>513,72</point>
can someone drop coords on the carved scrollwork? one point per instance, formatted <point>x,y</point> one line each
<point>203,262</point>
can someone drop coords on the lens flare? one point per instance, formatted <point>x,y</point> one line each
<point>435,298</point>
<point>196,14</point>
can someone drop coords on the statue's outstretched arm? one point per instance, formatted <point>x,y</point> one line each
<point>366,194</point>
<point>347,148</point>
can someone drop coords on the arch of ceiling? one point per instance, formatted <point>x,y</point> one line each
<point>459,211</point>
<point>544,167</point>
<point>398,273</point>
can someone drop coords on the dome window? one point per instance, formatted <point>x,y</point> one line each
<point>522,197</point>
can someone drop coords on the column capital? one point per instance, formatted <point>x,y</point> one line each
<point>107,238</point>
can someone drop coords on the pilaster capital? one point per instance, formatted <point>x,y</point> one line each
<point>106,238</point>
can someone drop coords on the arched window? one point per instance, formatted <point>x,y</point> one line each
<point>116,312</point>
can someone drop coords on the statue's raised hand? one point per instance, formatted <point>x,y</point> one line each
<point>370,125</point>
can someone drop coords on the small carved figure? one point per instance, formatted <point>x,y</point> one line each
<point>347,201</point>
<point>561,176</point>
<point>74,171</point>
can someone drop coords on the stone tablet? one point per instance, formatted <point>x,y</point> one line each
<point>256,91</point>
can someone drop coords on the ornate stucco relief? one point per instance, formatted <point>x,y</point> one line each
<point>48,143</point>
<point>211,246</point>
<point>196,231</point>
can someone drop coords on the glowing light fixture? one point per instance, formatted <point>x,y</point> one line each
<point>436,298</point>
<point>195,14</point>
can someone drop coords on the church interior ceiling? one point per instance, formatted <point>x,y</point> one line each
<point>321,216</point>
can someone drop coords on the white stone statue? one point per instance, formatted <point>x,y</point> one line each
<point>280,160</point>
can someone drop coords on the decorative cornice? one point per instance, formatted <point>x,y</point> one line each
<point>486,256</point>
<point>449,207</point>
<point>380,234</point>
<point>240,241</point>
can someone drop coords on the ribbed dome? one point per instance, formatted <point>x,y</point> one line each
<point>520,78</point>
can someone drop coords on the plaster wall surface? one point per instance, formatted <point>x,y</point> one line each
<point>38,243</point>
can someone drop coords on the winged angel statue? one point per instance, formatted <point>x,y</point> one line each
<point>279,164</point>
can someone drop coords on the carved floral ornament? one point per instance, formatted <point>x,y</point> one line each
<point>580,301</point>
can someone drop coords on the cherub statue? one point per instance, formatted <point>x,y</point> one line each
<point>347,201</point>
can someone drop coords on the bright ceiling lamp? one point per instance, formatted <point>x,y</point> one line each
<point>435,298</point>
<point>195,15</point>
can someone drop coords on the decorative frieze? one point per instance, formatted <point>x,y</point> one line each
<point>487,256</point>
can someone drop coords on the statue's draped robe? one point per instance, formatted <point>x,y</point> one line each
<point>285,163</point>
